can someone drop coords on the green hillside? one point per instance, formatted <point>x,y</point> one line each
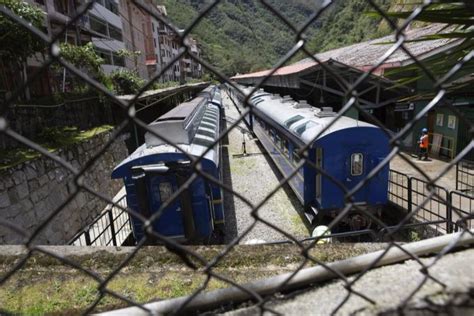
<point>347,23</point>
<point>239,36</point>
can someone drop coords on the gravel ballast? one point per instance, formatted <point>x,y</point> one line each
<point>254,176</point>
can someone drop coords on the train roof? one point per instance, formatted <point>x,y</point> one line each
<point>192,126</point>
<point>300,118</point>
<point>182,111</point>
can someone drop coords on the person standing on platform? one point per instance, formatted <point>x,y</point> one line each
<point>423,143</point>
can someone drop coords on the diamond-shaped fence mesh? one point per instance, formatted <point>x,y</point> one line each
<point>425,200</point>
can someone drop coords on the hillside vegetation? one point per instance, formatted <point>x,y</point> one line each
<point>240,36</point>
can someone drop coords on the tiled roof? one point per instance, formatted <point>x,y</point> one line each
<point>364,55</point>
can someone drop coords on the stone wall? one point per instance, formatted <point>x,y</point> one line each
<point>32,191</point>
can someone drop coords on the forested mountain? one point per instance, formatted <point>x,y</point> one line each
<point>239,36</point>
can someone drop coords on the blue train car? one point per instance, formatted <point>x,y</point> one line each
<point>156,170</point>
<point>347,152</point>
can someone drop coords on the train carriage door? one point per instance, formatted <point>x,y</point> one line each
<point>355,172</point>
<point>319,164</point>
<point>170,222</point>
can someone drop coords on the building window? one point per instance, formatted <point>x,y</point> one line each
<point>110,58</point>
<point>118,60</point>
<point>153,27</point>
<point>105,55</point>
<point>451,121</point>
<point>357,164</point>
<point>154,42</point>
<point>98,26</point>
<point>61,6</point>
<point>105,28</point>
<point>110,5</point>
<point>115,33</point>
<point>439,119</point>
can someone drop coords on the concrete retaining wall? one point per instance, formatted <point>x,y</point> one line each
<point>30,192</point>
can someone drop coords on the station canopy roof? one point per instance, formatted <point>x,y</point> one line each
<point>335,70</point>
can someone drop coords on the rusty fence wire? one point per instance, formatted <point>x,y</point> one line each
<point>428,191</point>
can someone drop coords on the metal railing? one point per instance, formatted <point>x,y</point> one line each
<point>399,190</point>
<point>444,214</point>
<point>422,198</point>
<point>465,176</point>
<point>431,205</point>
<point>462,209</point>
<point>112,228</point>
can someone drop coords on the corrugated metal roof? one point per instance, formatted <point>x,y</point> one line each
<point>364,55</point>
<point>291,69</point>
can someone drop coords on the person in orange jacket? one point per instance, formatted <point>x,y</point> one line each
<point>423,143</point>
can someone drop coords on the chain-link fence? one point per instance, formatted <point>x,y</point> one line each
<point>428,191</point>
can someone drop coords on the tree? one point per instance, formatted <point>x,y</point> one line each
<point>459,19</point>
<point>16,42</point>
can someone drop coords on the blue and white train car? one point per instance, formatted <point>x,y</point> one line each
<point>156,170</point>
<point>348,151</point>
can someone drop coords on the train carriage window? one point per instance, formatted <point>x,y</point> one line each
<point>296,157</point>
<point>302,128</point>
<point>166,190</point>
<point>292,120</point>
<point>284,147</point>
<point>357,164</point>
<point>277,139</point>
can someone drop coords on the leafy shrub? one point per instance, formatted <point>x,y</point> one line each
<point>82,57</point>
<point>164,85</point>
<point>126,81</point>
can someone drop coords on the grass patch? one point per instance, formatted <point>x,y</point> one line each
<point>46,286</point>
<point>51,139</point>
<point>55,293</point>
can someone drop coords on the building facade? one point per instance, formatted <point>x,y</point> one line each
<point>195,68</point>
<point>169,43</point>
<point>123,34</point>
<point>134,29</point>
<point>105,19</point>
